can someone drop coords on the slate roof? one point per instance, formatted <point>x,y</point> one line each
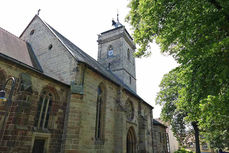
<point>14,47</point>
<point>17,49</point>
<point>83,57</point>
<point>155,122</point>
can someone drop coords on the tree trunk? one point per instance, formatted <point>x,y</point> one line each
<point>197,140</point>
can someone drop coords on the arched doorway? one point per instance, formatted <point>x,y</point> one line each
<point>131,141</point>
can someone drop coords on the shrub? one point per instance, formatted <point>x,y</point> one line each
<point>182,150</point>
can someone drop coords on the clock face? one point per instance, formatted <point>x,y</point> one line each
<point>110,53</point>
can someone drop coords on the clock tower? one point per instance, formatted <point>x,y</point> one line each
<point>115,52</point>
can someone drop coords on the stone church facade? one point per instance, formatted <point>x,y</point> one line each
<point>65,101</point>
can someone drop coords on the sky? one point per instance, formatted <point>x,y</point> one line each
<point>81,21</point>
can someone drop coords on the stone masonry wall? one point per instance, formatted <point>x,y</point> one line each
<point>80,137</point>
<point>54,58</point>
<point>159,139</point>
<point>18,132</point>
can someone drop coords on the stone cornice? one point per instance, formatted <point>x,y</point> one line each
<point>123,34</point>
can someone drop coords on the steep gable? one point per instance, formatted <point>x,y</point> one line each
<point>83,57</point>
<point>62,62</point>
<point>53,56</point>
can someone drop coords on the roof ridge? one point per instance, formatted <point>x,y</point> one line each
<point>98,66</point>
<point>55,31</point>
<point>50,28</point>
<point>87,59</point>
<point>91,58</point>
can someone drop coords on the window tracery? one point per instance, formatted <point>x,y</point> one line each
<point>43,110</point>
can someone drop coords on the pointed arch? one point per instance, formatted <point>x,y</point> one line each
<point>48,96</point>
<point>131,141</point>
<point>51,90</point>
<point>100,112</point>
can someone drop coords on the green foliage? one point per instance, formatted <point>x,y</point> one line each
<point>196,34</point>
<point>215,119</point>
<point>182,150</point>
<point>183,31</point>
<point>168,97</point>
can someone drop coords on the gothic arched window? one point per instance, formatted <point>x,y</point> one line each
<point>110,51</point>
<point>100,114</point>
<point>43,110</point>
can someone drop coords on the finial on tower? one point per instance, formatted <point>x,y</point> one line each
<point>117,16</point>
<point>38,12</point>
<point>116,24</point>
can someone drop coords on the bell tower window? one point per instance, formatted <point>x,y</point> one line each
<point>128,54</point>
<point>109,66</point>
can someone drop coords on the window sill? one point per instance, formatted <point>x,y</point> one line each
<point>40,130</point>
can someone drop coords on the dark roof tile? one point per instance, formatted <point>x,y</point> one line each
<point>85,58</point>
<point>14,47</point>
<point>155,122</point>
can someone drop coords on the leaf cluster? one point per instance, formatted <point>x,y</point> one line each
<point>196,34</point>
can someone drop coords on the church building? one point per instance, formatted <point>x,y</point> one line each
<point>61,100</point>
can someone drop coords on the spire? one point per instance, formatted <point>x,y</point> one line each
<point>117,17</point>
<point>116,24</point>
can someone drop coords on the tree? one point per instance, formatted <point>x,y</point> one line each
<point>196,34</point>
<point>168,97</point>
<point>183,28</point>
<point>171,87</point>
